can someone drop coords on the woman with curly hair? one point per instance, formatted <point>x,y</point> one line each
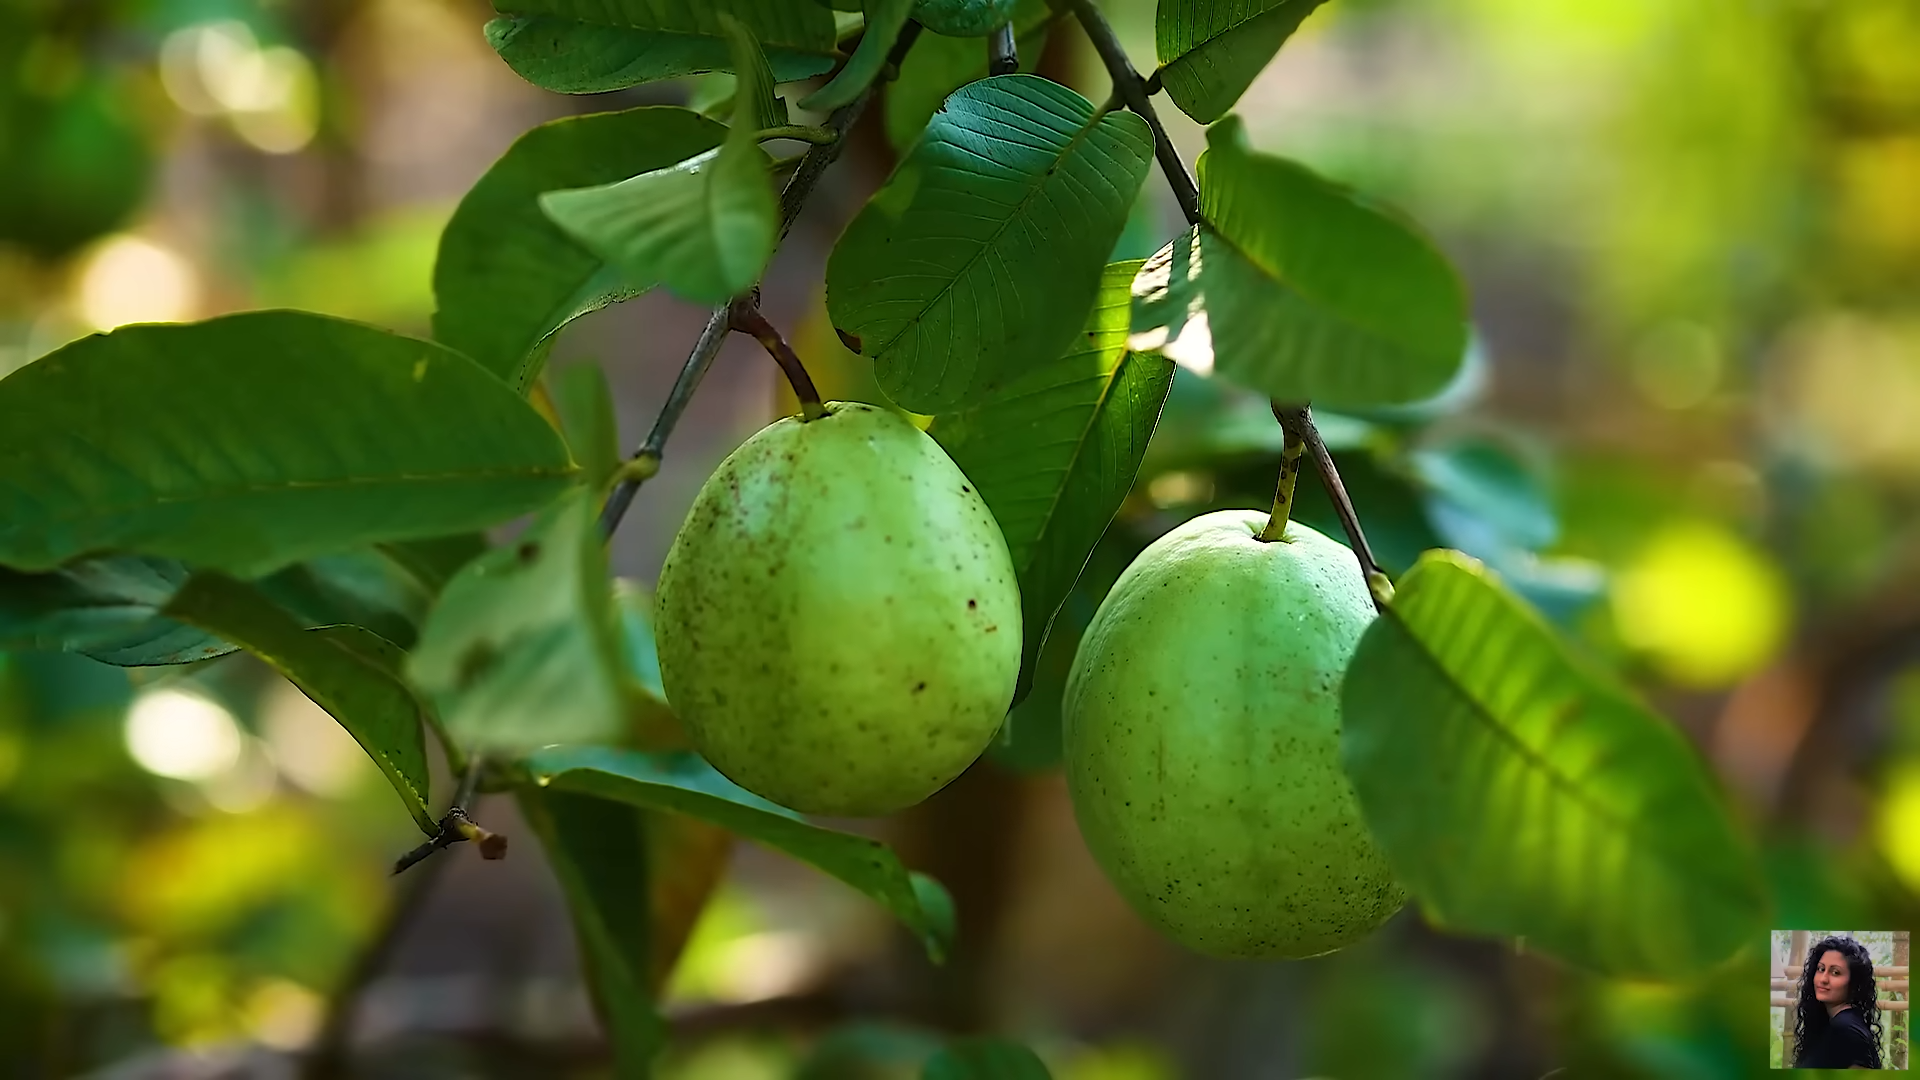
<point>1838,1023</point>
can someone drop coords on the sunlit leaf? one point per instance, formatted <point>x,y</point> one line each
<point>523,648</point>
<point>1517,793</point>
<point>1210,52</point>
<point>686,784</point>
<point>590,46</point>
<point>981,256</point>
<point>349,671</point>
<point>884,20</point>
<point>1055,451</point>
<point>1308,292</point>
<point>253,441</point>
<point>506,277</point>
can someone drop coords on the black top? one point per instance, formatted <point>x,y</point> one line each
<point>1843,1043</point>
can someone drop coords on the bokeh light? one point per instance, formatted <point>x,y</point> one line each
<point>1705,606</point>
<point>182,735</point>
<point>129,279</point>
<point>309,746</point>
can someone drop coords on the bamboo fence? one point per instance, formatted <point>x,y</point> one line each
<point>1890,979</point>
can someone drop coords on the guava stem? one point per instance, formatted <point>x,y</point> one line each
<point>1003,52</point>
<point>1283,494</point>
<point>746,317</point>
<point>1297,420</point>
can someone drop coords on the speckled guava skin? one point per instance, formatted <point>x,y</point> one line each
<point>838,620</point>
<point>1201,727</point>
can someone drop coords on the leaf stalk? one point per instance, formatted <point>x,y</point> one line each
<point>1297,421</point>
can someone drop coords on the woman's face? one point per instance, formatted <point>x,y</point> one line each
<point>1830,978</point>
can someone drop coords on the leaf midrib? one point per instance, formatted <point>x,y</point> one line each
<point>1529,755</point>
<point>1019,210</point>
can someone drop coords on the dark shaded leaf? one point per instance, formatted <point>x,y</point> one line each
<point>686,784</point>
<point>1210,52</point>
<point>349,671</point>
<point>506,277</point>
<point>884,20</point>
<point>981,256</point>
<point>590,46</point>
<point>254,441</point>
<point>1055,452</point>
<point>985,1059</point>
<point>938,65</point>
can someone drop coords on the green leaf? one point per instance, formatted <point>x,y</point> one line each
<point>704,228</point>
<point>250,442</point>
<point>1483,499</point>
<point>523,649</point>
<point>964,18</point>
<point>1210,52</point>
<point>107,608</point>
<point>433,562</point>
<point>347,670</point>
<point>755,108</point>
<point>1055,451</point>
<point>506,277</point>
<point>1519,794</point>
<point>599,853</point>
<point>981,256</point>
<point>885,18</point>
<point>684,783</point>
<point>985,1059</point>
<point>1308,292</point>
<point>585,406</point>
<point>590,46</point>
<point>937,65</point>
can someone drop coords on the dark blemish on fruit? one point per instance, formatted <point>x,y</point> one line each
<point>971,604</point>
<point>919,688</point>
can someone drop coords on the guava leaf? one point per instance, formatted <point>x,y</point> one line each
<point>253,441</point>
<point>684,783</point>
<point>1055,451</point>
<point>1308,292</point>
<point>980,257</point>
<point>590,46</point>
<point>523,648</point>
<point>1483,499</point>
<point>585,405</point>
<point>1517,793</point>
<point>600,855</point>
<point>985,1059</point>
<point>347,670</point>
<point>964,18</point>
<point>938,65</point>
<point>704,228</point>
<point>506,277</point>
<point>884,20</point>
<point>106,608</point>
<point>755,106</point>
<point>1210,52</point>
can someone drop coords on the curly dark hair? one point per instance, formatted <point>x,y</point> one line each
<point>1811,1018</point>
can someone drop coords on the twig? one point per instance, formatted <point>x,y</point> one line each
<point>456,826</point>
<point>1297,420</point>
<point>327,1058</point>
<point>745,316</point>
<point>1003,51</point>
<point>1132,89</point>
<point>819,136</point>
<point>813,164</point>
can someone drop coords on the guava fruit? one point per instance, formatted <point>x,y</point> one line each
<point>838,621</point>
<point>1201,732</point>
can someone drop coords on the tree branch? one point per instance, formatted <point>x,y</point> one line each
<point>1297,420</point>
<point>813,164</point>
<point>1132,89</point>
<point>745,316</point>
<point>456,826</point>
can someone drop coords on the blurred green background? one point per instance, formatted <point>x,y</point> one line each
<point>1690,432</point>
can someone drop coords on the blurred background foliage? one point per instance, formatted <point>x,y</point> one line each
<point>1689,432</point>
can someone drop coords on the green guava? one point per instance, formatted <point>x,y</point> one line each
<point>1201,731</point>
<point>964,18</point>
<point>838,621</point>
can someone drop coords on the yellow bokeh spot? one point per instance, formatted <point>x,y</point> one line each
<point>1900,823</point>
<point>1703,605</point>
